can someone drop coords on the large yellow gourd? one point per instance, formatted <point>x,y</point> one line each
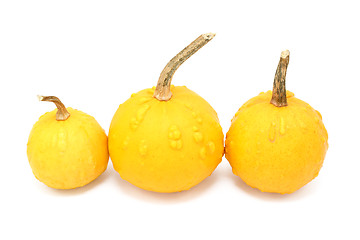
<point>67,148</point>
<point>276,142</point>
<point>166,139</point>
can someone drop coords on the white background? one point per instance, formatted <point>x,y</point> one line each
<point>94,54</point>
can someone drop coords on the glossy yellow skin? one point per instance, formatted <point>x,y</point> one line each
<point>165,146</point>
<point>276,149</point>
<point>67,154</point>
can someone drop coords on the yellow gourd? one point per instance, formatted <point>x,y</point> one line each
<point>67,148</point>
<point>276,142</point>
<point>166,139</point>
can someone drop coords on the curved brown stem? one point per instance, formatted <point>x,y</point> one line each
<point>62,113</point>
<point>279,90</point>
<point>162,91</point>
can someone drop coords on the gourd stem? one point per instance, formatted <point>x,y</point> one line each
<point>162,91</point>
<point>62,113</point>
<point>279,90</point>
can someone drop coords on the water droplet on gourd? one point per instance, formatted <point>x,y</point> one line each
<point>195,128</point>
<point>199,120</point>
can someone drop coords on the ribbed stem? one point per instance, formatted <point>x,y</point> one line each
<point>162,91</point>
<point>62,113</point>
<point>279,90</point>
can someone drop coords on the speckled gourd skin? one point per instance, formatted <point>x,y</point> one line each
<point>165,146</point>
<point>67,154</point>
<point>276,149</point>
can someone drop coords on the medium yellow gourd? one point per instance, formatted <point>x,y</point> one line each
<point>67,148</point>
<point>166,139</point>
<point>276,142</point>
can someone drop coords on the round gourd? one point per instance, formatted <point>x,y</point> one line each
<point>276,142</point>
<point>166,139</point>
<point>67,148</point>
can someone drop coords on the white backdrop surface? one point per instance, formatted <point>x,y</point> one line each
<point>94,54</point>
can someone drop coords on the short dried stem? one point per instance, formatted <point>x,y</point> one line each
<point>162,91</point>
<point>279,90</point>
<point>62,113</point>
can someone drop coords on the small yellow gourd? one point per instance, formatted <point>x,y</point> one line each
<point>166,139</point>
<point>67,148</point>
<point>276,142</point>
